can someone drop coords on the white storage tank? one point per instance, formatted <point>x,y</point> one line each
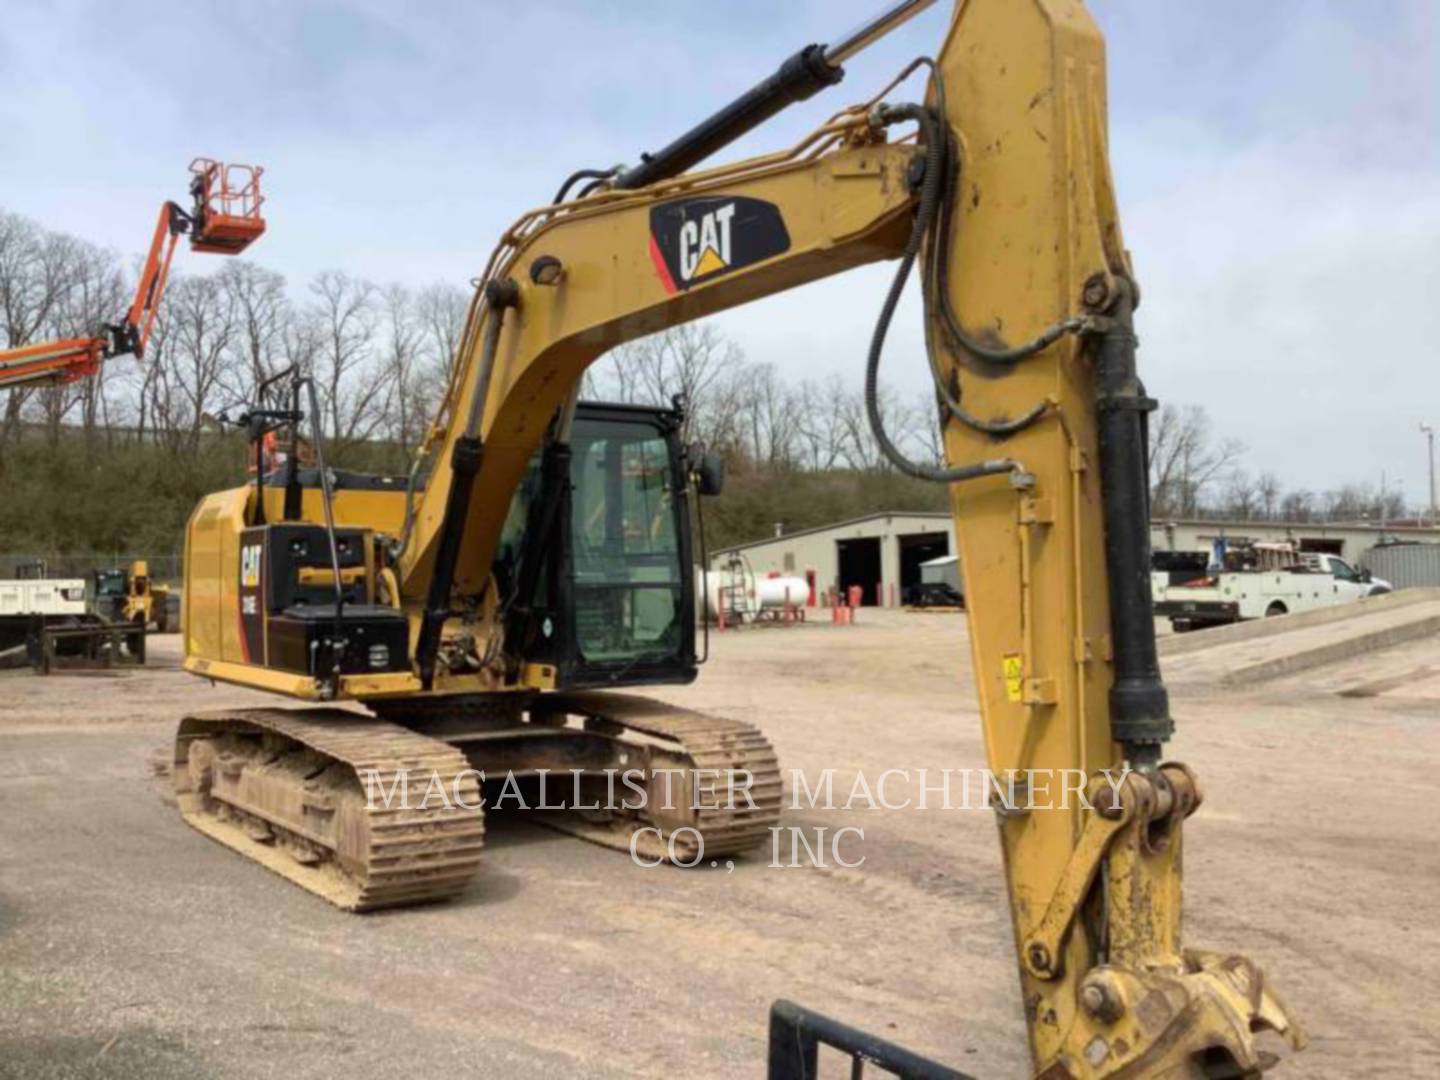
<point>745,595</point>
<point>776,592</point>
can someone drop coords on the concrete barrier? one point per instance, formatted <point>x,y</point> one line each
<point>1197,640</point>
<point>1333,652</point>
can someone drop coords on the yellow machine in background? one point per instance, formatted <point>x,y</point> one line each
<point>128,595</point>
<point>538,559</point>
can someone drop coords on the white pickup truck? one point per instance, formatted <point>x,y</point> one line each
<point>1257,582</point>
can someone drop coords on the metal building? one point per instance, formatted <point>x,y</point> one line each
<point>1404,565</point>
<point>879,553</point>
<point>1349,540</point>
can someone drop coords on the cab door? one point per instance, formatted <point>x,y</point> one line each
<point>1346,581</point>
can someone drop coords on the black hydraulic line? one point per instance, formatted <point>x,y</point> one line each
<point>940,264</point>
<point>1139,704</point>
<point>412,481</point>
<point>930,194</point>
<point>337,645</point>
<point>465,460</point>
<point>988,427</point>
<point>294,502</point>
<point>798,78</point>
<point>540,523</point>
<point>598,175</point>
<point>704,571</point>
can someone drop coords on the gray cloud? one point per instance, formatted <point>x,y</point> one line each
<point>1277,166</point>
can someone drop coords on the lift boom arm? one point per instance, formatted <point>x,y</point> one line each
<point>224,218</point>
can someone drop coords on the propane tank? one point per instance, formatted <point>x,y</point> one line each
<point>776,592</point>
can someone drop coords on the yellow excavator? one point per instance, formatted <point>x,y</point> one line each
<point>487,610</point>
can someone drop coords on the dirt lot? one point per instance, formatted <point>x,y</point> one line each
<point>131,946</point>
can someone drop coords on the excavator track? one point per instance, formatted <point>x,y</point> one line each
<point>724,794</point>
<point>288,789</point>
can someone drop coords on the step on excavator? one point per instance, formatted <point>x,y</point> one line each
<point>488,614</point>
<point>224,219</point>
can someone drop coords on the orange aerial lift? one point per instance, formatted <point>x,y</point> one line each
<point>224,218</point>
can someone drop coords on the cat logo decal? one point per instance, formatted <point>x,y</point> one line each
<point>693,241</point>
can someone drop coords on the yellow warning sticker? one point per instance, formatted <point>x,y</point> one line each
<point>1014,670</point>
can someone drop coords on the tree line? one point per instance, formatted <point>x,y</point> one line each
<point>117,461</point>
<point>1194,473</point>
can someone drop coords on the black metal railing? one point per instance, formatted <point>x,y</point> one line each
<point>796,1034</point>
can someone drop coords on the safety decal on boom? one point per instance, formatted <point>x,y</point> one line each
<point>695,240</point>
<point>1013,667</point>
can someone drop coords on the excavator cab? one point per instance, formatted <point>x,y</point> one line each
<point>227,206</point>
<point>596,555</point>
<point>111,588</point>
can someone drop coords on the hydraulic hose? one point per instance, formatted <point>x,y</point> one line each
<point>599,176</point>
<point>940,264</point>
<point>931,188</point>
<point>467,453</point>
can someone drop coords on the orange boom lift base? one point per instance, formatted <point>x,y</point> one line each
<point>224,218</point>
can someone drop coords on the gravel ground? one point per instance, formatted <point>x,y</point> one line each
<point>131,946</point>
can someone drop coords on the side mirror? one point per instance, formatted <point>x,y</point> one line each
<point>709,470</point>
<point>1366,576</point>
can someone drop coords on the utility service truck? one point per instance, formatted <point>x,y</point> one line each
<point>1252,581</point>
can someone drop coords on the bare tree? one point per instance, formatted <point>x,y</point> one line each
<point>821,430</point>
<point>262,316</point>
<point>767,412</point>
<point>342,321</point>
<point>401,358</point>
<point>1185,460</point>
<point>192,360</point>
<point>37,272</point>
<point>1269,491</point>
<point>617,376</point>
<point>929,431</point>
<point>97,295</point>
<point>686,360</point>
<point>1297,506</point>
<point>1241,497</point>
<point>441,310</point>
<point>861,450</point>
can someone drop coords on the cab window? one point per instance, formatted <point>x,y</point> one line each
<point>626,543</point>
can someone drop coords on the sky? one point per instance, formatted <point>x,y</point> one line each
<point>1277,164</point>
